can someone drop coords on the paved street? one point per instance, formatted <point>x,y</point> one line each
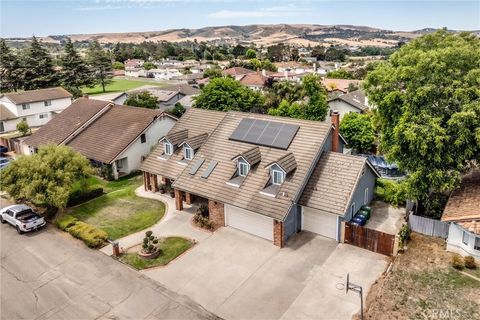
<point>49,275</point>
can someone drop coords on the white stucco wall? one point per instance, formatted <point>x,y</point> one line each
<point>342,107</point>
<point>455,244</point>
<point>136,150</point>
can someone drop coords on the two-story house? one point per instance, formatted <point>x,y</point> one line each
<point>36,107</point>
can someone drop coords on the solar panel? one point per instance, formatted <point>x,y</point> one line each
<point>210,168</point>
<point>265,133</point>
<point>197,166</point>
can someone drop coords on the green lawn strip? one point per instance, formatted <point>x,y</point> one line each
<point>120,85</point>
<point>120,212</point>
<point>171,247</point>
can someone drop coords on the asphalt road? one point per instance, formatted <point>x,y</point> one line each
<point>49,275</point>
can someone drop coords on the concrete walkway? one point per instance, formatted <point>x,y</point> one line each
<point>173,223</point>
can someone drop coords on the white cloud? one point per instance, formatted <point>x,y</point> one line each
<point>280,11</point>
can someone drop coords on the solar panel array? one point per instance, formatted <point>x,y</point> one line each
<point>265,133</point>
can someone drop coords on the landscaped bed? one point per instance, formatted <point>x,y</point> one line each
<point>170,248</point>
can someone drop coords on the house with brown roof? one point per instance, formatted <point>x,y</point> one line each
<point>110,135</point>
<point>268,176</point>
<point>256,80</point>
<point>354,101</point>
<point>237,72</point>
<point>36,107</point>
<point>463,213</point>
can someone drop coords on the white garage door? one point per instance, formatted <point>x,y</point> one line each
<point>249,221</point>
<point>322,223</point>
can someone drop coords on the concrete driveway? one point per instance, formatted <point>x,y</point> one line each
<point>49,275</point>
<point>239,276</point>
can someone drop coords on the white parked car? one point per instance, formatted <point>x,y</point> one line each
<point>22,218</point>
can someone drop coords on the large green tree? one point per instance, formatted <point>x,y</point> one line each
<point>428,100</point>
<point>225,94</point>
<point>142,99</point>
<point>38,67</point>
<point>358,130</point>
<point>101,64</point>
<point>45,178</point>
<point>11,72</point>
<point>75,72</point>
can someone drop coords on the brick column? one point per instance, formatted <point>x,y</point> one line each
<point>178,200</point>
<point>278,233</point>
<point>188,198</point>
<point>154,183</point>
<point>147,181</point>
<point>216,213</point>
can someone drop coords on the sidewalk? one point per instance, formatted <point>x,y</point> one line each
<point>173,223</point>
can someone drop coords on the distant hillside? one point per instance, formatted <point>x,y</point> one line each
<point>295,34</point>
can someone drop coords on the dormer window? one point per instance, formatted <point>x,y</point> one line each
<point>277,176</point>
<point>168,148</point>
<point>243,168</point>
<point>187,153</point>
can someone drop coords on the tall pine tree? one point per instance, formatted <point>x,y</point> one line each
<point>10,69</point>
<point>38,68</point>
<point>75,72</point>
<point>101,63</point>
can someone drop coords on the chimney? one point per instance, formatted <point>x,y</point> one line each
<point>335,133</point>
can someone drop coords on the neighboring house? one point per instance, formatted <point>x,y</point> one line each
<point>463,213</point>
<point>255,80</point>
<point>339,86</point>
<point>115,97</point>
<point>37,107</point>
<point>237,72</point>
<point>355,101</point>
<point>133,63</point>
<point>163,73</point>
<point>135,72</point>
<point>269,176</point>
<point>106,133</point>
<point>167,96</point>
<point>294,67</point>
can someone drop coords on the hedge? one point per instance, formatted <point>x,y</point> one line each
<point>79,196</point>
<point>90,235</point>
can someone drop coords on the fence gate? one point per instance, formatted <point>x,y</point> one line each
<point>369,239</point>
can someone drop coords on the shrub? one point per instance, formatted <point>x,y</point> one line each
<point>391,192</point>
<point>80,196</point>
<point>149,242</point>
<point>202,221</point>
<point>404,234</point>
<point>65,222</point>
<point>457,262</point>
<point>470,262</point>
<point>203,210</point>
<point>93,237</point>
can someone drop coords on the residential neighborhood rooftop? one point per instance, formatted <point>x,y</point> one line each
<point>37,95</point>
<point>355,98</point>
<point>464,203</point>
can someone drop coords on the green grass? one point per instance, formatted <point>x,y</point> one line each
<point>119,85</point>
<point>94,182</point>
<point>119,212</point>
<point>171,247</point>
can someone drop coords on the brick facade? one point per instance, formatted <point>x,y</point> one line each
<point>216,213</point>
<point>188,198</point>
<point>278,233</point>
<point>178,200</point>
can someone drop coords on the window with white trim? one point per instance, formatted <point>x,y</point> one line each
<point>25,106</point>
<point>243,168</point>
<point>187,153</point>
<point>277,177</point>
<point>43,115</point>
<point>465,238</point>
<point>476,245</point>
<point>47,103</point>
<point>168,148</point>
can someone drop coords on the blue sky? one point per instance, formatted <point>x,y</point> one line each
<point>25,18</point>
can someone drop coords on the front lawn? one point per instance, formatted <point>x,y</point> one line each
<point>171,247</point>
<point>120,212</point>
<point>120,85</point>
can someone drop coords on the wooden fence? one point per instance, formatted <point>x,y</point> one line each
<point>370,239</point>
<point>427,226</point>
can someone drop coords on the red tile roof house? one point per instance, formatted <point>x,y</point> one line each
<point>37,107</point>
<point>463,213</point>
<point>268,176</point>
<point>107,134</point>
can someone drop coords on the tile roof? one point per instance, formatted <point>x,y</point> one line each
<point>6,114</point>
<point>355,99</point>
<point>252,156</point>
<point>112,132</point>
<point>197,122</point>
<point>305,146</point>
<point>236,71</point>
<point>286,162</point>
<point>183,88</point>
<point>65,123</point>
<point>177,137</point>
<point>333,182</point>
<point>254,79</point>
<point>108,96</point>
<point>471,226</point>
<point>196,142</point>
<point>339,84</point>
<point>464,202</point>
<point>38,95</point>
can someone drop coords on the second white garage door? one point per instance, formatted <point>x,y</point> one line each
<point>249,221</point>
<point>322,223</point>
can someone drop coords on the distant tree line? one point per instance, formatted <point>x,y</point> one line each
<point>34,67</point>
